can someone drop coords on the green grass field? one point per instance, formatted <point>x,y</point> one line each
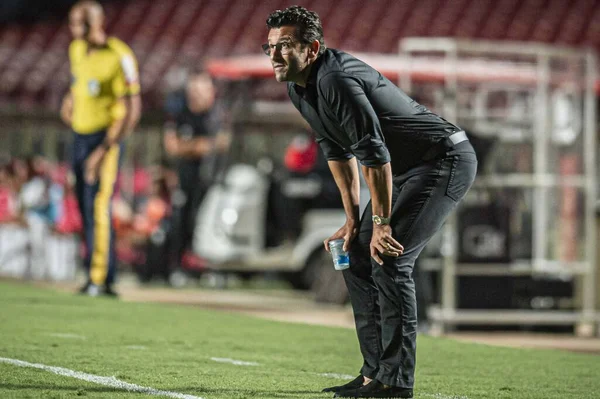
<point>171,348</point>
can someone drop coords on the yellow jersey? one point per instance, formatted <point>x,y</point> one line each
<point>99,79</point>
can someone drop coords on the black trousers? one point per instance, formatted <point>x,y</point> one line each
<point>383,297</point>
<point>184,213</point>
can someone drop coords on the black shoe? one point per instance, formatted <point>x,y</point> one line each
<point>354,384</point>
<point>110,292</point>
<point>376,389</point>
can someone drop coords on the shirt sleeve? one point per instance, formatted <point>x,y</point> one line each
<point>119,88</point>
<point>128,65</point>
<point>332,151</point>
<point>348,102</point>
<point>131,74</point>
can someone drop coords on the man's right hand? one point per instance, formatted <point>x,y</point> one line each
<point>348,231</point>
<point>171,143</point>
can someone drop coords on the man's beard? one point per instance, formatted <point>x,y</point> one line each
<point>291,72</point>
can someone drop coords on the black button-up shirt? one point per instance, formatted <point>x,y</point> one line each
<point>356,111</point>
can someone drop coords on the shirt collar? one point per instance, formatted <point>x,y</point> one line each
<point>311,81</point>
<point>312,76</point>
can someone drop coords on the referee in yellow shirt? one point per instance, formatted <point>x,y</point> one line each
<point>102,107</point>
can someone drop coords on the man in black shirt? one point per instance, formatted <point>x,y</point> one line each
<point>417,165</point>
<point>193,137</point>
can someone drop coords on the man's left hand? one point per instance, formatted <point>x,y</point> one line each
<point>383,243</point>
<point>92,165</point>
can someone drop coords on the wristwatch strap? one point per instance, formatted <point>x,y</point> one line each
<point>380,220</point>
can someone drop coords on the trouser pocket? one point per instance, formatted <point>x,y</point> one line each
<point>463,169</point>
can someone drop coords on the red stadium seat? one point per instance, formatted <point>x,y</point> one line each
<point>549,22</point>
<point>33,59</point>
<point>576,21</point>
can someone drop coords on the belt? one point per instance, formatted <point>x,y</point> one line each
<point>445,144</point>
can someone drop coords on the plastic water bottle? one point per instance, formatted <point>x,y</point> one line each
<point>341,259</point>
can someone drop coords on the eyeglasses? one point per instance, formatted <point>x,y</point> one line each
<point>282,47</point>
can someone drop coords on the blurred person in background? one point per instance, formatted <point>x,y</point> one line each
<point>8,196</point>
<point>102,108</point>
<point>417,166</point>
<point>193,138</point>
<point>37,204</point>
<point>154,210</point>
<point>69,219</point>
<point>63,246</point>
<point>14,238</point>
<point>150,228</point>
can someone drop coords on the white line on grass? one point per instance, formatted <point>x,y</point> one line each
<point>67,335</point>
<point>126,386</point>
<point>338,376</point>
<point>232,361</point>
<point>137,347</point>
<point>440,396</point>
<point>97,379</point>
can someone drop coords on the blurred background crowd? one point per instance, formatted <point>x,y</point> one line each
<point>222,176</point>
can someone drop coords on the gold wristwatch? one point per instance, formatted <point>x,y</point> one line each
<point>380,220</point>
